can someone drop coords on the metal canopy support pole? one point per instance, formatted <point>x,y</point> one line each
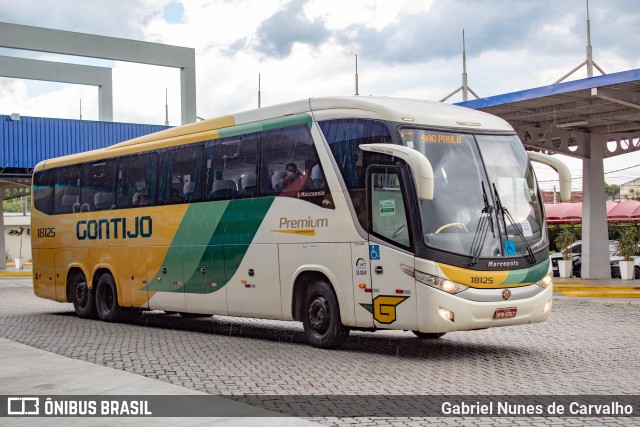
<point>595,251</point>
<point>3,248</point>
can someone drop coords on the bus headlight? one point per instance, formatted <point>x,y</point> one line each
<point>545,281</point>
<point>445,285</point>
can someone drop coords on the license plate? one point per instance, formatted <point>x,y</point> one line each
<point>505,313</point>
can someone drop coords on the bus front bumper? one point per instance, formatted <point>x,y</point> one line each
<point>439,311</point>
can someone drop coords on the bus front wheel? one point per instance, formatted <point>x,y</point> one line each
<point>107,299</point>
<point>321,317</point>
<point>428,335</point>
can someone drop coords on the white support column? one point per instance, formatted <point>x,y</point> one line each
<point>595,248</point>
<point>188,93</point>
<point>105,103</point>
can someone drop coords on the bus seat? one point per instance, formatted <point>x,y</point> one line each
<point>67,202</point>
<point>248,185</point>
<point>223,189</point>
<point>103,200</point>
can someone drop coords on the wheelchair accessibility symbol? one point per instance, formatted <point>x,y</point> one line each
<point>374,252</point>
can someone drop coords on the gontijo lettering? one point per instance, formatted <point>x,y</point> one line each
<point>114,228</point>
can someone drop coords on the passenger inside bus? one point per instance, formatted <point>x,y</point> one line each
<point>283,179</point>
<point>188,190</point>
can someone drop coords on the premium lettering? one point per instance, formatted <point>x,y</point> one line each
<point>304,223</point>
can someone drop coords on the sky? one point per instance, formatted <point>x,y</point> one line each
<point>307,48</point>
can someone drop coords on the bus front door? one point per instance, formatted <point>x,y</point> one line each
<point>393,291</point>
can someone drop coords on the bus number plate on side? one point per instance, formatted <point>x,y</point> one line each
<point>505,313</point>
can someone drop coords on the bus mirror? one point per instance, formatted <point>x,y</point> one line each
<point>563,172</point>
<point>420,166</point>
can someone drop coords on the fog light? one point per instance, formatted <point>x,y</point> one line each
<point>446,314</point>
<point>547,306</point>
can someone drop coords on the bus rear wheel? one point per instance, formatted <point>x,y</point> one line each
<point>84,302</point>
<point>107,299</point>
<point>428,335</point>
<point>321,317</point>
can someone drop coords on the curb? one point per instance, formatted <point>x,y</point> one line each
<point>16,274</point>
<point>578,289</point>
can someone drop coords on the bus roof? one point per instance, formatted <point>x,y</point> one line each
<point>410,111</point>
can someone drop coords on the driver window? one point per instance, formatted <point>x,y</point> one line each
<point>388,216</point>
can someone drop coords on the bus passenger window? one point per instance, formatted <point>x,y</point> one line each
<point>43,191</point>
<point>136,180</point>
<point>67,190</point>
<point>98,186</point>
<point>290,158</point>
<point>178,167</point>
<point>230,167</point>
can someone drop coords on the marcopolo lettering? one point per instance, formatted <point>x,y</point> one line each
<point>114,228</point>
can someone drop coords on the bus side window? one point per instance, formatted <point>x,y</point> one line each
<point>290,165</point>
<point>67,190</point>
<point>230,167</point>
<point>98,185</point>
<point>136,180</point>
<point>345,137</point>
<point>180,170</point>
<point>43,191</point>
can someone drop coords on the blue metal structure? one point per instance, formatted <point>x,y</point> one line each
<point>624,77</point>
<point>27,141</point>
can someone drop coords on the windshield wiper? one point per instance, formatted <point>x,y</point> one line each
<point>484,224</point>
<point>505,214</point>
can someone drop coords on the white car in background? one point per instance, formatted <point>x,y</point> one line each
<point>615,266</point>
<point>576,257</point>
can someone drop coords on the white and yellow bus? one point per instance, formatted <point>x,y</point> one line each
<point>343,213</point>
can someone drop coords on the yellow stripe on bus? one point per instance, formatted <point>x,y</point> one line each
<point>301,232</point>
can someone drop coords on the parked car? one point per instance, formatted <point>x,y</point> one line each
<point>576,257</point>
<point>615,266</point>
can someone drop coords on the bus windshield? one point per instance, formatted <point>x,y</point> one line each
<point>475,176</point>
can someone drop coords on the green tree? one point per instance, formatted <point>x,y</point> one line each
<point>612,190</point>
<point>15,205</point>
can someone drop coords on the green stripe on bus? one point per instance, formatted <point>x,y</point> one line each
<point>277,123</point>
<point>213,236</point>
<point>528,275</point>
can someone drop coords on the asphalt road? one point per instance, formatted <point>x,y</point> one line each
<point>588,347</point>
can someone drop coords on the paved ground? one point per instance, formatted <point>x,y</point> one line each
<point>587,347</point>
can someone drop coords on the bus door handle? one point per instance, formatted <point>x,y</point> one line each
<point>379,270</point>
<point>164,270</point>
<point>203,271</point>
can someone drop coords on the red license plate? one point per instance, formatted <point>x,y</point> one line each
<point>505,313</point>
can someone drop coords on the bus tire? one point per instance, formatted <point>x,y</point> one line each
<point>321,317</point>
<point>107,299</point>
<point>84,302</point>
<point>428,335</point>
